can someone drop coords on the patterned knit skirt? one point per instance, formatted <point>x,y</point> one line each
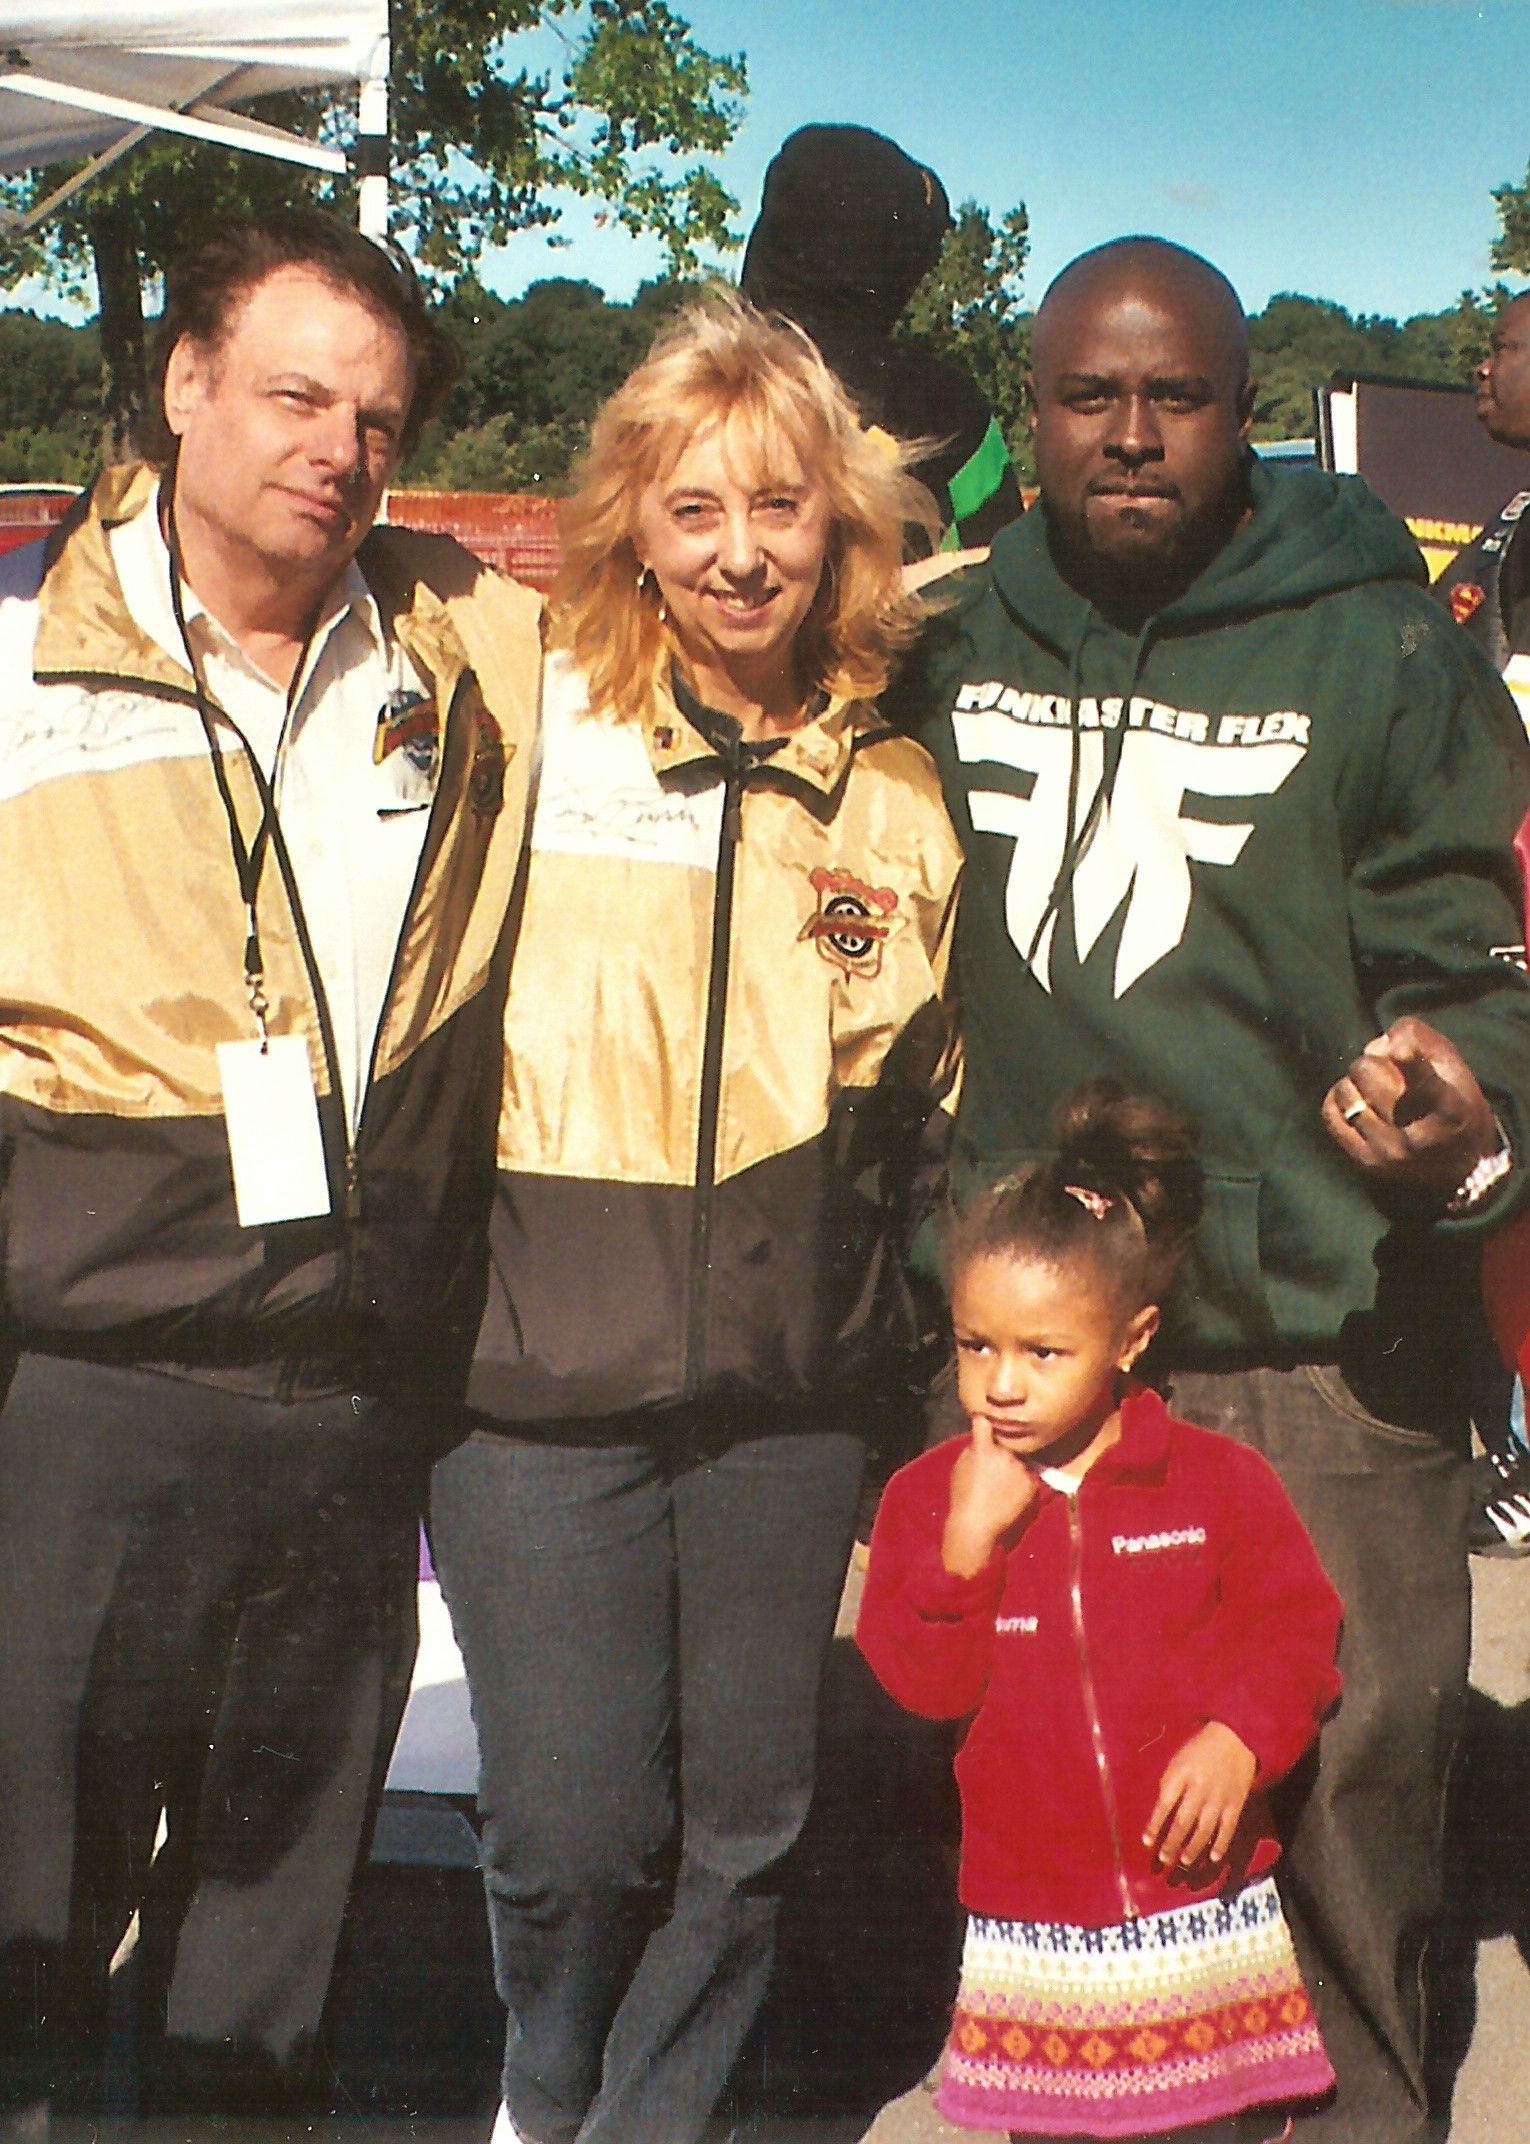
<point>1154,2025</point>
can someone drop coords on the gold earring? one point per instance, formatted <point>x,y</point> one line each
<point>646,578</point>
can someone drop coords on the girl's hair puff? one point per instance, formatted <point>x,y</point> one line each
<point>718,358</point>
<point>1124,1192</point>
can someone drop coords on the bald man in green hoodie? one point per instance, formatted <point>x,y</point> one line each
<point>1238,803</point>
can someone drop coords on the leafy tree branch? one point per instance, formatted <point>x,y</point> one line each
<point>480,151</point>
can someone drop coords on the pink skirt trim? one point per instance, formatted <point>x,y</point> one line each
<point>1158,2024</point>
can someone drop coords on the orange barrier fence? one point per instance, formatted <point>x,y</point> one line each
<point>516,531</point>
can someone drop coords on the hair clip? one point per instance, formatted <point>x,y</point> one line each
<point>1094,1202</point>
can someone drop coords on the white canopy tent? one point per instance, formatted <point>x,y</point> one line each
<point>93,77</point>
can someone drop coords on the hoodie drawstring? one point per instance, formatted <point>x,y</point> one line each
<point>1077,841</point>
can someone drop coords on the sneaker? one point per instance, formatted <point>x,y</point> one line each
<point>1499,1520</point>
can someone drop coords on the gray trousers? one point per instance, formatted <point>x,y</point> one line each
<point>206,1609</point>
<point>643,1618</point>
<point>1362,1878</point>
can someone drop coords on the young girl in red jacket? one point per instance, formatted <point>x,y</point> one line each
<point>1138,1622</point>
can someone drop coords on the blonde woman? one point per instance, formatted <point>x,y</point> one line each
<point>726,1049</point>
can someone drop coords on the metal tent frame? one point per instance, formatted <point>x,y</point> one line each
<point>97,77</point>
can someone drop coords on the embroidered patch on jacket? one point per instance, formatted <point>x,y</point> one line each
<point>1155,1544</point>
<point>1466,599</point>
<point>486,779</point>
<point>853,922</point>
<point>409,724</point>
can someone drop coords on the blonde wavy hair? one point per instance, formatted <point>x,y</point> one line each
<point>718,359</point>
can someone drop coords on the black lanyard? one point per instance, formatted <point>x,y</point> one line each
<point>249,858</point>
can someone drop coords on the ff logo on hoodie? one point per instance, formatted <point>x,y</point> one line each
<point>1140,839</point>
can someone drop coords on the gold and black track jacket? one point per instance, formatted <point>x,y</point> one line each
<point>121,968</point>
<point>727,1043</point>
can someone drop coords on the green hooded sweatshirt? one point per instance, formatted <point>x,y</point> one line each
<point>1213,860</point>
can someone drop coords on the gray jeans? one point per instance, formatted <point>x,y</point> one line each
<point>207,1606</point>
<point>643,1618</point>
<point>1362,1878</point>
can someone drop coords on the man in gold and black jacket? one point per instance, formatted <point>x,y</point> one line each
<point>262,786</point>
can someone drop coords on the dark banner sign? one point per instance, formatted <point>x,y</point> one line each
<point>1422,450</point>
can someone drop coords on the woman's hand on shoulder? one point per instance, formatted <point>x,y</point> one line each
<point>992,1488</point>
<point>1201,1798</point>
<point>922,572</point>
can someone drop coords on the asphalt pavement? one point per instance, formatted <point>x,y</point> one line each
<point>871,1935</point>
<point>1481,1988</point>
<point>869,1945</point>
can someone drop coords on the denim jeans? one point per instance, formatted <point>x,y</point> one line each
<point>643,1615</point>
<point>1362,1878</point>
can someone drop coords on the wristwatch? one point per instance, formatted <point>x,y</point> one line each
<point>1480,1180</point>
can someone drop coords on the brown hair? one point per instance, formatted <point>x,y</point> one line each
<point>719,358</point>
<point>234,256</point>
<point>1124,1192</point>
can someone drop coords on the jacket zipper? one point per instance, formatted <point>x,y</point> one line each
<point>1091,1703</point>
<point>711,1078</point>
<point>349,1163</point>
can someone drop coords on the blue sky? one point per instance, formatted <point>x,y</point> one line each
<point>1345,148</point>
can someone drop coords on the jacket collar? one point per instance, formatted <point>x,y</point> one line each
<point>411,608</point>
<point>86,628</point>
<point>817,754</point>
<point>1142,1454</point>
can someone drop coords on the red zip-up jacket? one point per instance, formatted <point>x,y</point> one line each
<point>1177,1587</point>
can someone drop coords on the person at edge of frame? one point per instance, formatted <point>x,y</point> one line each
<point>849,225</point>
<point>1487,590</point>
<point>262,793</point>
<point>1239,805</point>
<point>728,1051</point>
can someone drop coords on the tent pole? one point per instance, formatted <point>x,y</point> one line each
<point>372,145</point>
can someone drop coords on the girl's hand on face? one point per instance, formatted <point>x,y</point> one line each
<point>1201,1797</point>
<point>991,1488</point>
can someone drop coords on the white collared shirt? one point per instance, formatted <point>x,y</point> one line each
<point>353,826</point>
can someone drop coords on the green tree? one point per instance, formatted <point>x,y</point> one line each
<point>536,371</point>
<point>970,309</point>
<point>480,152</point>
<point>1471,321</point>
<point>49,399</point>
<point>1467,327</point>
<point>1296,343</point>
<point>1510,250</point>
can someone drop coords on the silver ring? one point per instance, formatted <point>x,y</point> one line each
<point>1355,1109</point>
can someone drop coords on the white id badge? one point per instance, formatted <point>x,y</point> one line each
<point>274,1140</point>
